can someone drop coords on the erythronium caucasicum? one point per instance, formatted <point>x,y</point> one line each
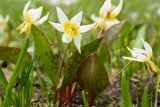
<point>71,28</point>
<point>3,23</point>
<point>31,16</point>
<point>107,15</point>
<point>143,55</point>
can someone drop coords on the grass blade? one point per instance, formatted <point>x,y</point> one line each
<point>3,79</point>
<point>145,98</point>
<point>15,73</point>
<point>127,101</point>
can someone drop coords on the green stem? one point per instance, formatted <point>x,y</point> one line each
<point>15,73</point>
<point>85,99</point>
<point>119,72</point>
<point>157,87</point>
<point>62,60</point>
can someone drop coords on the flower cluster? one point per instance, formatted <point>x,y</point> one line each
<point>71,28</point>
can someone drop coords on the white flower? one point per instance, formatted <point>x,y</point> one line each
<point>31,16</point>
<point>107,15</point>
<point>141,55</point>
<point>3,23</point>
<point>71,28</point>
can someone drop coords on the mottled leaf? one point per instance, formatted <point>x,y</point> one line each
<point>11,54</point>
<point>46,62</point>
<point>92,75</point>
<point>71,67</point>
<point>104,56</point>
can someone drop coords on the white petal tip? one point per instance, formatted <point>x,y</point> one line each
<point>29,2</point>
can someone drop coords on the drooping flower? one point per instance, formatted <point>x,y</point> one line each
<point>71,28</point>
<point>107,15</point>
<point>142,55</point>
<point>3,23</point>
<point>31,16</point>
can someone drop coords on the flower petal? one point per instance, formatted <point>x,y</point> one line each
<point>35,14</point>
<point>7,18</point>
<point>112,23</point>
<point>57,26</point>
<point>61,16</point>
<point>139,54</point>
<point>26,28</point>
<point>77,42</point>
<point>95,18</point>
<point>132,52</point>
<point>66,38</point>
<point>117,10</point>
<point>105,7</point>
<point>148,48</point>
<point>140,51</point>
<point>131,59</point>
<point>26,7</point>
<point>43,19</point>
<point>86,28</point>
<point>77,19</point>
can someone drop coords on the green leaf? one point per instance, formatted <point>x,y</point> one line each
<point>140,35</point>
<point>145,98</point>
<point>92,75</point>
<point>3,79</point>
<point>11,54</point>
<point>15,74</point>
<point>104,55</point>
<point>46,62</point>
<point>127,102</point>
<point>71,67</point>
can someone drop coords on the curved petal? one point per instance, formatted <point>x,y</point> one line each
<point>86,28</point>
<point>43,19</point>
<point>139,54</point>
<point>105,7</point>
<point>26,7</point>
<point>35,14</point>
<point>77,19</point>
<point>61,16</point>
<point>132,52</point>
<point>131,59</point>
<point>141,51</point>
<point>77,42</point>
<point>148,48</point>
<point>95,18</point>
<point>66,38</point>
<point>57,26</point>
<point>117,10</point>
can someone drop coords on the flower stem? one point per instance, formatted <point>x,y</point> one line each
<point>100,32</point>
<point>119,72</point>
<point>157,87</point>
<point>62,60</point>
